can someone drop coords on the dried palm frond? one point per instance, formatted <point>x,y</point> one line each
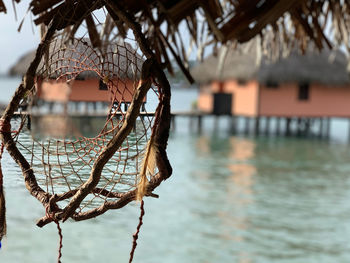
<point>287,23</point>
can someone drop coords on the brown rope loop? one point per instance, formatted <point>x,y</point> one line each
<point>5,126</point>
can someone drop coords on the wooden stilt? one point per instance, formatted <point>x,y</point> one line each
<point>51,104</point>
<point>349,131</point>
<point>257,126</point>
<point>86,107</point>
<point>321,128</point>
<point>307,127</point>
<point>199,125</point>
<point>278,122</point>
<point>267,126</point>
<point>246,127</point>
<point>328,127</point>
<point>299,127</point>
<point>233,124</point>
<point>288,121</point>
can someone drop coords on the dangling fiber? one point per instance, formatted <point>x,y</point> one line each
<point>60,243</point>
<point>2,201</point>
<point>148,165</point>
<point>136,235</point>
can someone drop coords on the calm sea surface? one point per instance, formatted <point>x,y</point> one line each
<point>230,199</point>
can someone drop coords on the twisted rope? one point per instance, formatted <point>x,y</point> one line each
<point>60,243</point>
<point>136,235</point>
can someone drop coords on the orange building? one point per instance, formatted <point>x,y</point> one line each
<point>303,86</point>
<point>78,73</point>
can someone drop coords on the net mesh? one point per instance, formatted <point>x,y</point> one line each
<point>61,153</point>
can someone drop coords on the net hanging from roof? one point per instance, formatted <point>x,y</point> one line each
<point>63,164</point>
<point>81,173</point>
<point>63,160</point>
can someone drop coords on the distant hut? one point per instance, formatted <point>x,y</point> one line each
<point>309,86</point>
<point>75,73</point>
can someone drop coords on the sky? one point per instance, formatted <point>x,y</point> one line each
<point>14,44</point>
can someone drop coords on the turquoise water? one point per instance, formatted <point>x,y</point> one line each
<point>230,199</point>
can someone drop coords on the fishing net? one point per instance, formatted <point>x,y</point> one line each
<point>61,154</point>
<point>80,164</point>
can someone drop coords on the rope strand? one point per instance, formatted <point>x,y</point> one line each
<point>136,235</point>
<point>60,243</point>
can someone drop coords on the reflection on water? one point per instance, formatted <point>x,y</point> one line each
<point>62,149</point>
<point>230,199</point>
<point>270,200</point>
<point>62,126</point>
<point>237,194</point>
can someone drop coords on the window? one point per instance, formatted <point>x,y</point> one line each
<point>304,90</point>
<point>102,85</point>
<point>271,84</point>
<point>241,82</point>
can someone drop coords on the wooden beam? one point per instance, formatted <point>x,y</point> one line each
<point>240,27</point>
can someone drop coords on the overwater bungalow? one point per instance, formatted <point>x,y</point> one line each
<point>313,85</point>
<point>75,74</point>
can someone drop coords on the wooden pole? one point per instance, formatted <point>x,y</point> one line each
<point>288,121</point>
<point>349,131</point>
<point>86,107</point>
<point>199,128</point>
<point>307,127</point>
<point>257,126</point>
<point>246,127</point>
<point>267,126</point>
<point>233,124</point>
<point>278,122</point>
<point>299,123</point>
<point>51,104</point>
<point>328,127</point>
<point>321,128</point>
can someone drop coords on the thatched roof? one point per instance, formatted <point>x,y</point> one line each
<point>243,64</point>
<point>294,23</point>
<point>21,66</point>
<point>327,67</point>
<point>78,59</point>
